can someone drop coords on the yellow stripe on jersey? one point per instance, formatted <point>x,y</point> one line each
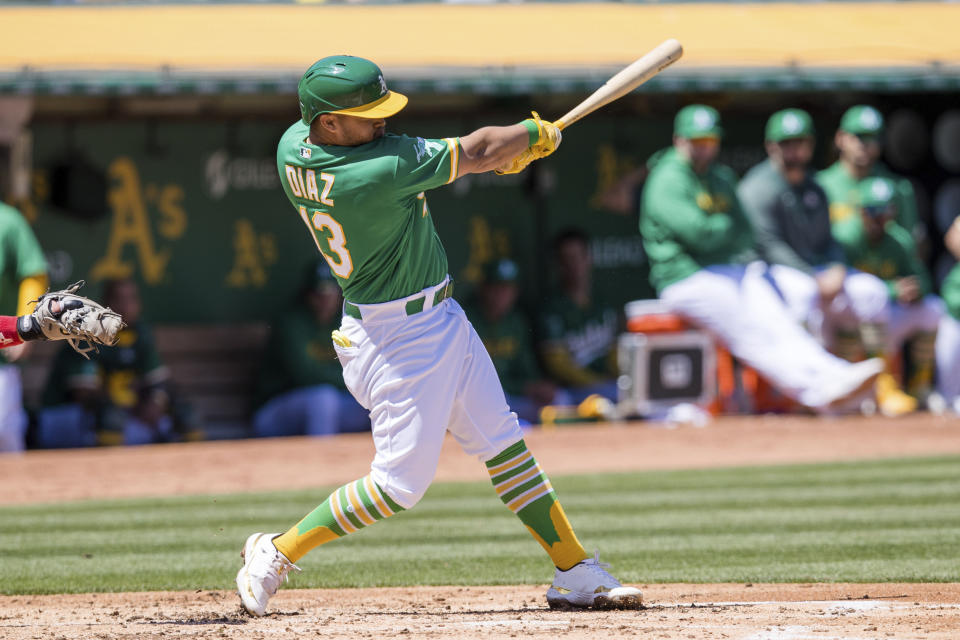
<point>454,144</point>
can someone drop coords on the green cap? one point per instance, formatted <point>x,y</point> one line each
<point>876,195</point>
<point>502,270</point>
<point>348,85</point>
<point>789,124</point>
<point>697,121</point>
<point>862,120</point>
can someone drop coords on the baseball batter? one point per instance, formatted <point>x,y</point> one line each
<point>700,242</point>
<point>408,353</point>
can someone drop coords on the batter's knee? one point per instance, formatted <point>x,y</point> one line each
<point>406,491</point>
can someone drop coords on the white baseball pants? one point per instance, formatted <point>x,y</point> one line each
<point>948,360</point>
<point>421,376</point>
<point>741,307</point>
<point>13,419</point>
<point>864,298</point>
<point>908,319</point>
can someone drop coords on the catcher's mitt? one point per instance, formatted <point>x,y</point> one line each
<point>78,320</point>
<point>548,141</point>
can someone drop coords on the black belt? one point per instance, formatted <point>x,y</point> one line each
<point>413,306</point>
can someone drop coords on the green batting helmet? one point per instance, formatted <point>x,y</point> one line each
<point>349,85</point>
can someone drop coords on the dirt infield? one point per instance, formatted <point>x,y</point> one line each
<point>743,612</point>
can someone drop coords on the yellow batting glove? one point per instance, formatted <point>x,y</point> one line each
<point>545,137</point>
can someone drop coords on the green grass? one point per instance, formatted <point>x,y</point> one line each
<point>895,520</point>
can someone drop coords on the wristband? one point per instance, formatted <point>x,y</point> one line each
<point>533,131</point>
<point>8,332</point>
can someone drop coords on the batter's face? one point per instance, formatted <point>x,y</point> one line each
<point>860,151</point>
<point>346,131</point>
<point>701,152</point>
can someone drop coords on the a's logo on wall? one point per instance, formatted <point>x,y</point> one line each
<point>135,205</point>
<point>224,173</point>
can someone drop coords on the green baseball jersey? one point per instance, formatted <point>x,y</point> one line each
<point>367,211</point>
<point>843,190</point>
<point>690,221</point>
<point>508,341</point>
<point>791,222</point>
<point>20,257</point>
<point>894,256</point>
<point>299,354</point>
<point>588,334</point>
<point>950,291</point>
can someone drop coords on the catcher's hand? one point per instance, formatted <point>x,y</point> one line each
<point>76,319</point>
<point>547,143</point>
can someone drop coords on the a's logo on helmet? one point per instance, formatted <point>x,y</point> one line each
<point>870,118</point>
<point>383,85</point>
<point>791,123</point>
<point>703,119</point>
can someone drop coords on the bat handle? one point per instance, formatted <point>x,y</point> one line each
<point>560,124</point>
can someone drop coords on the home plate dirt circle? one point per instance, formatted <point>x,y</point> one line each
<point>672,612</point>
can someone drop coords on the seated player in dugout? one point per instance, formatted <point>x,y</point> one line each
<point>578,331</point>
<point>508,337</point>
<point>859,143</point>
<point>875,243</point>
<point>300,389</point>
<point>121,395</point>
<point>703,266</point>
<point>409,355</point>
<point>845,309</point>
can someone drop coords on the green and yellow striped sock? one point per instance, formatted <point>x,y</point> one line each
<point>348,509</point>
<point>524,488</point>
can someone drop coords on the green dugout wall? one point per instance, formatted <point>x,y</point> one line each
<point>192,206</point>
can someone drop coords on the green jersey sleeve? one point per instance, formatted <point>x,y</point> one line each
<point>425,163</point>
<point>950,291</point>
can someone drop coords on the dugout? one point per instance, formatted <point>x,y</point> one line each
<point>154,145</point>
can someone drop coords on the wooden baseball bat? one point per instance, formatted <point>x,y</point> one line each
<point>626,80</point>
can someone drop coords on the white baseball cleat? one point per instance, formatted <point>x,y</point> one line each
<point>264,568</point>
<point>587,585</point>
<point>857,379</point>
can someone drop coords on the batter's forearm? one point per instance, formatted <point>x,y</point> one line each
<point>487,148</point>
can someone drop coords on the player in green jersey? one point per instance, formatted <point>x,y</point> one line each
<point>875,244</point>
<point>859,141</point>
<point>409,355</point>
<point>23,277</point>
